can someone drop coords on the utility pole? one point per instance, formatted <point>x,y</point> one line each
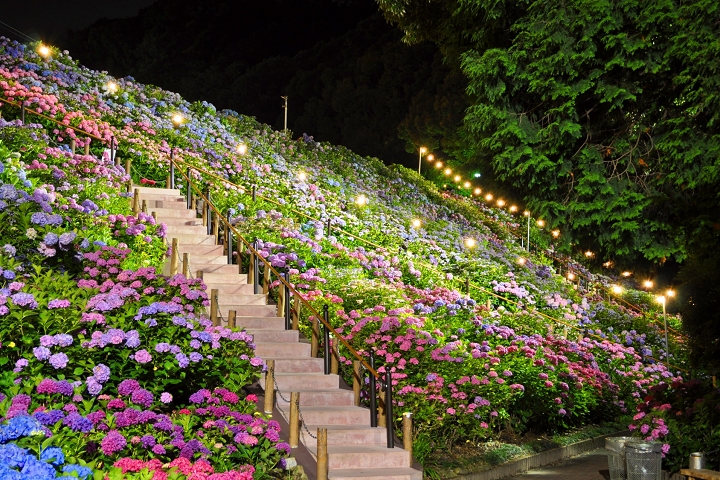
<point>285,107</point>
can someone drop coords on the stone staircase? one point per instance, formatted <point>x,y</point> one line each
<point>355,450</point>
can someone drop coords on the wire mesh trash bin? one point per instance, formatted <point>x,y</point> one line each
<point>644,460</point>
<point>616,456</point>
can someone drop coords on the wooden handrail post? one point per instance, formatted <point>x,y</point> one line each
<point>73,145</point>
<point>281,300</point>
<point>154,215</point>
<point>186,264</point>
<point>232,319</point>
<point>382,418</point>
<point>136,201</point>
<point>87,148</point>
<point>167,181</point>
<point>266,280</point>
<point>216,231</point>
<point>315,340</point>
<point>204,217</point>
<point>214,307</point>
<point>294,439</point>
<point>144,206</point>
<point>270,387</point>
<point>322,454</point>
<point>407,432</point>
<point>334,357</point>
<point>128,172</point>
<point>356,382</point>
<point>251,269</point>
<point>296,313</point>
<point>174,257</point>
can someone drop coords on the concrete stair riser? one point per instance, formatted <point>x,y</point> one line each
<point>275,336</point>
<point>297,365</point>
<point>189,229</point>
<point>249,322</point>
<point>328,415</point>
<point>302,381</point>
<point>373,456</point>
<point>375,474</point>
<point>187,239</point>
<point>195,249</point>
<point>165,213</point>
<point>172,192</point>
<point>281,349</point>
<point>209,259</point>
<point>320,398</point>
<point>212,268</point>
<point>189,222</point>
<point>229,289</point>
<point>155,204</point>
<point>347,435</point>
<point>252,310</point>
<point>242,299</point>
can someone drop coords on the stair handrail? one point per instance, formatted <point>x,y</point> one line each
<point>279,277</point>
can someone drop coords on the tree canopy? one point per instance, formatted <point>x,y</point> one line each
<point>604,114</point>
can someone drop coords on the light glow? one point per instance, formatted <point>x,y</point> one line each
<point>470,242</point>
<point>488,197</point>
<point>648,284</point>
<point>361,200</point>
<point>526,213</point>
<point>178,119</point>
<point>541,223</point>
<point>670,293</point>
<point>513,208</point>
<point>477,191</point>
<point>457,178</point>
<point>112,87</point>
<point>555,233</point>
<point>501,203</point>
<point>423,150</point>
<point>467,185</point>
<point>416,223</point>
<point>617,289</point>
<point>521,261</point>
<point>439,165</point>
<point>302,176</point>
<point>44,51</point>
<point>241,149</point>
<point>431,157</point>
<point>626,273</point>
<point>571,276</point>
<point>589,254</point>
<point>448,171</point>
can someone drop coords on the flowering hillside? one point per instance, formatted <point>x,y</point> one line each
<point>121,359</point>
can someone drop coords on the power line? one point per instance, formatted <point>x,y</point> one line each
<point>18,32</point>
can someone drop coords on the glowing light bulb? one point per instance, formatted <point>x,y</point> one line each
<point>44,51</point>
<point>477,191</point>
<point>302,176</point>
<point>571,276</point>
<point>466,184</point>
<point>416,223</point>
<point>431,157</point>
<point>112,87</point>
<point>439,165</point>
<point>423,150</point>
<point>660,299</point>
<point>541,223</point>
<point>470,242</point>
<point>648,284</point>
<point>178,119</point>
<point>501,203</point>
<point>555,233</point>
<point>241,149</point>
<point>513,208</point>
<point>589,254</point>
<point>617,289</point>
<point>448,171</point>
<point>457,178</point>
<point>626,273</point>
<point>488,197</point>
<point>526,213</point>
<point>670,293</point>
<point>521,261</point>
<point>361,200</point>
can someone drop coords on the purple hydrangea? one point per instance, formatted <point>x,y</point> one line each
<point>148,441</point>
<point>59,360</point>
<point>78,423</point>
<point>128,386</point>
<point>165,397</point>
<point>63,340</point>
<point>93,386</point>
<point>47,385</point>
<point>142,397</point>
<point>195,357</point>
<point>49,418</point>
<point>158,449</point>
<point>50,239</point>
<point>142,356</point>
<point>113,443</point>
<point>58,303</point>
<point>22,299</point>
<point>41,353</point>
<point>101,373</point>
<point>182,360</point>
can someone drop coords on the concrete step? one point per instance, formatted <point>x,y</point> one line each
<point>226,278</point>
<point>345,434</point>
<point>190,239</point>
<point>162,213</point>
<point>190,229</point>
<point>175,221</point>
<point>364,456</point>
<point>169,204</point>
<point>320,397</point>
<point>161,197</point>
<point>276,336</point>
<point>297,365</point>
<point>230,289</point>
<point>238,299</point>
<point>252,310</point>
<point>213,268</point>
<point>374,474</point>
<point>199,259</point>
<point>281,349</point>
<point>313,381</point>
<point>326,415</point>
<point>192,250</point>
<point>157,191</point>
<point>257,323</point>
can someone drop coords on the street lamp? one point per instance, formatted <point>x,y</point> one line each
<point>648,284</point>
<point>527,214</point>
<point>662,300</point>
<point>423,151</point>
<point>44,51</point>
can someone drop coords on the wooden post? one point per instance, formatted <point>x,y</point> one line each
<point>154,215</point>
<point>334,357</point>
<point>266,281</point>
<point>407,432</point>
<point>281,300</point>
<point>174,257</point>
<point>199,274</point>
<point>315,341</point>
<point>136,201</point>
<point>322,454</point>
<point>251,269</point>
<point>204,217</point>
<point>73,145</point>
<point>167,181</point>
<point>214,306</point>
<point>216,229</point>
<point>294,419</point>
<point>296,313</point>
<point>231,319</point>
<point>467,286</point>
<point>381,412</point>
<point>356,382</point>
<point>186,264</point>
<point>270,387</point>
<point>144,206</point>
<point>714,381</point>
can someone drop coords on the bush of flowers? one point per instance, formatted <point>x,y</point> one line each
<point>523,348</point>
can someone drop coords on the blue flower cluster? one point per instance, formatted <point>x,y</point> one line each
<point>18,463</point>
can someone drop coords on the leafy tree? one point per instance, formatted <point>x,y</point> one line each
<point>604,114</point>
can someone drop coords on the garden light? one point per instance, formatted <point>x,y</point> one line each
<point>477,175</point>
<point>302,176</point>
<point>470,242</point>
<point>457,178</point>
<point>661,299</point>
<point>589,254</point>
<point>439,165</point>
<point>521,261</point>
<point>241,149</point>
<point>617,289</point>
<point>526,213</point>
<point>416,223</point>
<point>178,119</point>
<point>571,276</point>
<point>44,51</point>
<point>626,273</point>
<point>541,223</point>
<point>430,157</point>
<point>607,264</point>
<point>478,191</point>
<point>361,200</point>
<point>448,171</point>
<point>422,150</point>
<point>648,284</point>
<point>466,185</point>
<point>555,233</point>
<point>112,87</point>
<point>488,197</point>
<point>501,203</point>
<point>670,293</point>
<point>513,208</point>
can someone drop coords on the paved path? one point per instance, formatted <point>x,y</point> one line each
<point>583,467</point>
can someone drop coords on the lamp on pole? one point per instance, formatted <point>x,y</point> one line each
<point>527,214</point>
<point>422,151</point>
<point>662,299</point>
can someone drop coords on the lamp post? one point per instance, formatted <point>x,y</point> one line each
<point>527,214</point>
<point>663,300</point>
<point>285,106</point>
<point>422,151</point>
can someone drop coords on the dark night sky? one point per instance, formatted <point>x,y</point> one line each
<point>48,20</point>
